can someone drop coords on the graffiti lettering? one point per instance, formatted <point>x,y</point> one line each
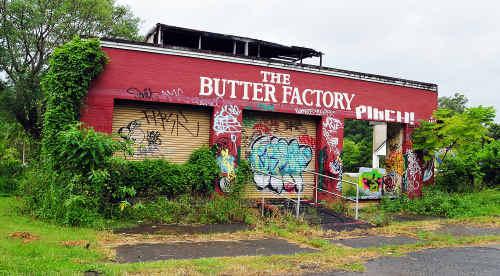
<point>153,137</point>
<point>226,120</point>
<point>147,142</point>
<point>307,140</point>
<point>177,119</point>
<point>373,113</point>
<point>428,171</point>
<point>394,165</point>
<point>330,127</point>
<point>286,159</point>
<point>148,93</point>
<point>313,111</point>
<point>132,132</point>
<point>413,172</point>
<point>337,171</point>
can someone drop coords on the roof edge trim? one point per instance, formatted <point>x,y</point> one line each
<point>272,64</point>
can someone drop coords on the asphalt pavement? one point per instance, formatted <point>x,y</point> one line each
<point>484,260</point>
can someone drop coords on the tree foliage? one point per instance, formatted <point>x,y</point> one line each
<point>469,157</point>
<point>357,151</point>
<point>456,103</point>
<point>31,29</point>
<point>454,131</point>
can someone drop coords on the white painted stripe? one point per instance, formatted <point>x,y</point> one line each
<point>178,52</point>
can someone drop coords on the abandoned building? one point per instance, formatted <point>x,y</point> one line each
<point>257,100</point>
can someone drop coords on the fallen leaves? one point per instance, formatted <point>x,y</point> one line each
<point>78,243</point>
<point>26,237</point>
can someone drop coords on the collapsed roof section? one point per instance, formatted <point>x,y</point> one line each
<point>166,35</point>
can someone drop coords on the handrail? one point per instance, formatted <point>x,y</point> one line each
<point>297,202</point>
<point>316,189</point>
<point>331,177</point>
<point>357,191</point>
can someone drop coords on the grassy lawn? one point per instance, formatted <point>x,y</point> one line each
<point>45,251</point>
<point>50,249</point>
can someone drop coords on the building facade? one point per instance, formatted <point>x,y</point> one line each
<point>285,118</point>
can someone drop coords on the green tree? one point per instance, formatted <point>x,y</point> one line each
<point>457,102</point>
<point>470,157</point>
<point>351,155</point>
<point>357,151</point>
<point>454,131</point>
<point>494,131</point>
<point>31,29</point>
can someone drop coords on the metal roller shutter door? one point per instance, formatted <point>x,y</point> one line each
<point>283,144</point>
<point>164,131</point>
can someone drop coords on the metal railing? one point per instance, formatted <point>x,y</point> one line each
<point>297,202</point>
<point>316,189</point>
<point>356,200</point>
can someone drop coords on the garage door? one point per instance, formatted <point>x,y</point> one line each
<point>280,148</point>
<point>161,131</point>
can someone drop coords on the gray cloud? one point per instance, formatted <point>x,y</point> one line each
<point>453,44</point>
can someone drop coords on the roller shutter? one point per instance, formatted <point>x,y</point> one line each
<point>282,145</point>
<point>164,131</point>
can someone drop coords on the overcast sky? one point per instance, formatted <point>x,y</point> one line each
<point>455,44</point>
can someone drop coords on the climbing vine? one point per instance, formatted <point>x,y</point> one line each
<point>71,69</point>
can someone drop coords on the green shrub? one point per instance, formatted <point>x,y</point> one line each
<point>489,162</point>
<point>203,165</point>
<point>153,177</point>
<point>460,173</point>
<point>82,150</point>
<point>222,209</point>
<point>64,197</point>
<point>185,209</point>
<point>15,146</point>
<point>10,168</point>
<point>435,202</point>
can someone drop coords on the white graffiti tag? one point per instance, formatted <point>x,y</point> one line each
<point>226,120</point>
<point>413,172</point>
<point>330,127</point>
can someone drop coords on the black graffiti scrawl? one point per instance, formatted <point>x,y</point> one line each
<point>147,142</point>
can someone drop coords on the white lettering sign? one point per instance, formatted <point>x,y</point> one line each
<point>271,82</point>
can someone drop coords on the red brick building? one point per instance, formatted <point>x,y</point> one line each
<point>254,99</point>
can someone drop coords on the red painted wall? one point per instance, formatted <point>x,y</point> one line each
<point>133,69</point>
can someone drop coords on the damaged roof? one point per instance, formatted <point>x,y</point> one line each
<point>167,35</point>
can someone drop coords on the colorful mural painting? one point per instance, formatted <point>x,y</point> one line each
<point>227,132</point>
<point>413,173</point>
<point>394,165</point>
<point>330,161</point>
<point>279,163</point>
<point>370,182</point>
<point>428,176</point>
<point>226,164</point>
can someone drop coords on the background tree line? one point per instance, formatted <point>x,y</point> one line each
<point>29,32</point>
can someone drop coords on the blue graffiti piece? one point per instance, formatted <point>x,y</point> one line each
<point>277,156</point>
<point>270,155</point>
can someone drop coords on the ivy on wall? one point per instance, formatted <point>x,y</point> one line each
<point>71,69</point>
